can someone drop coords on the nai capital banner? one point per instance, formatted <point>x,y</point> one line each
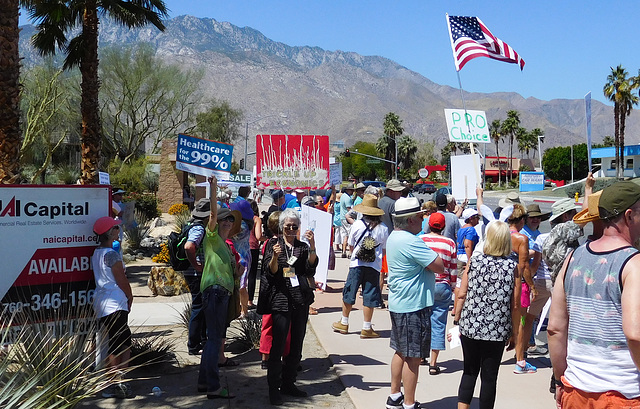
<point>46,244</point>
<point>292,161</point>
<point>204,157</point>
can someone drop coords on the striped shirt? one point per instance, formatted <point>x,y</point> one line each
<point>446,249</point>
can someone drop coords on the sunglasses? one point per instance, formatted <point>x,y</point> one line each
<point>229,219</point>
<point>291,227</point>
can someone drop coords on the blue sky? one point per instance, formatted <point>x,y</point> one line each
<point>568,46</point>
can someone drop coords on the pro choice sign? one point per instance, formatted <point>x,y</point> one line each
<point>469,126</point>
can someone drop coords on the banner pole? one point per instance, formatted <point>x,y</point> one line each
<point>473,155</point>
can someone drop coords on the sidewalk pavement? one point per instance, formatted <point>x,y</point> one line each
<point>363,365</point>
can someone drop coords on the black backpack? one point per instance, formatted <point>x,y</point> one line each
<point>177,255</point>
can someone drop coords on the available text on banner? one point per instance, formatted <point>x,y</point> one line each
<point>46,244</point>
<point>292,161</point>
<point>469,126</point>
<point>203,157</point>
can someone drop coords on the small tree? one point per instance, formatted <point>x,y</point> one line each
<point>220,122</point>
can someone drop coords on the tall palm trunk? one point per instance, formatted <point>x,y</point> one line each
<point>91,127</point>
<point>498,155</point>
<point>623,119</point>
<point>9,93</point>
<point>616,118</point>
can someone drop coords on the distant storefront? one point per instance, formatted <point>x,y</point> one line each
<point>500,166</point>
<point>608,161</point>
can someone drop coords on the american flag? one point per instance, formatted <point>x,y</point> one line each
<point>470,39</point>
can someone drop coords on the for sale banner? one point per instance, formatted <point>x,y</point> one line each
<point>46,244</point>
<point>292,161</point>
<point>203,157</point>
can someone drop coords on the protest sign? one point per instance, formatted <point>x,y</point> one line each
<point>292,161</point>
<point>335,174</point>
<point>203,157</point>
<point>46,244</point>
<point>320,222</point>
<point>469,126</point>
<point>463,176</point>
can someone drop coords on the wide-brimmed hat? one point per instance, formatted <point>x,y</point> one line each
<point>202,209</point>
<point>560,207</point>
<point>224,212</point>
<point>468,213</point>
<point>350,186</point>
<point>104,224</point>
<point>360,186</point>
<point>533,210</point>
<point>407,206</point>
<point>512,198</point>
<point>437,221</point>
<point>617,198</point>
<point>591,213</point>
<point>369,206</point>
<point>395,185</point>
<point>244,208</point>
<point>118,191</point>
<point>300,191</point>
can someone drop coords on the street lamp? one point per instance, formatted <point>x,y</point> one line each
<point>246,134</point>
<point>540,140</point>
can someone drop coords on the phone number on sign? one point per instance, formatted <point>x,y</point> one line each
<point>50,301</point>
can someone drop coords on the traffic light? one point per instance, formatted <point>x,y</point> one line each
<point>398,168</point>
<point>241,163</point>
<point>347,153</point>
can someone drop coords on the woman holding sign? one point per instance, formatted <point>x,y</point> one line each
<point>286,292</point>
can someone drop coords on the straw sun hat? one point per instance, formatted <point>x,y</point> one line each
<point>369,206</point>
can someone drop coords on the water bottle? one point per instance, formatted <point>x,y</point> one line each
<point>116,246</point>
<point>156,391</point>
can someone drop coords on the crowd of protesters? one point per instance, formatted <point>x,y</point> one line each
<point>492,270</point>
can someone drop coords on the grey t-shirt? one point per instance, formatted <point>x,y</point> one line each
<point>451,225</point>
<point>389,206</point>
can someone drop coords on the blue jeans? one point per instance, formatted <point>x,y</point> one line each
<point>215,301</point>
<point>439,311</point>
<point>197,322</point>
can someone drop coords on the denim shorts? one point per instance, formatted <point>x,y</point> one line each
<point>369,278</point>
<point>440,310</point>
<point>411,333</point>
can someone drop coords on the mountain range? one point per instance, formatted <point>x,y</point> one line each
<point>308,90</point>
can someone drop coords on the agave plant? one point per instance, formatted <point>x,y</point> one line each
<point>49,364</point>
<point>139,231</point>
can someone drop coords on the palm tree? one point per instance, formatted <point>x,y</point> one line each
<point>9,93</point>
<point>618,89</point>
<point>392,130</point>
<point>407,149</point>
<point>533,136</point>
<point>496,136</point>
<point>56,20</point>
<point>510,127</point>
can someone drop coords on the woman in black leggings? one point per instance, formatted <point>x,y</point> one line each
<point>487,300</point>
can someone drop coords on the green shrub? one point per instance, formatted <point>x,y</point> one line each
<point>147,204</point>
<point>151,348</point>
<point>139,231</point>
<point>132,177</point>
<point>248,330</point>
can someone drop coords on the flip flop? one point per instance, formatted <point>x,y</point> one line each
<point>223,393</point>
<point>227,363</point>
<point>434,369</point>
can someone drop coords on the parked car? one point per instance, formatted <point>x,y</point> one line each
<point>375,183</point>
<point>424,188</point>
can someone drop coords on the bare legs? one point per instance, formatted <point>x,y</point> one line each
<point>404,372</point>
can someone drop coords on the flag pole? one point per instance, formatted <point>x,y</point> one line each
<point>464,105</point>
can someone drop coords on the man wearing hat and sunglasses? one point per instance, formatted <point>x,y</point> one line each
<point>364,271</point>
<point>594,322</point>
<point>412,268</point>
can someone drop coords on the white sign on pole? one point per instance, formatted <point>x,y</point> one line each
<point>335,173</point>
<point>423,173</point>
<point>463,176</point>
<point>320,223</point>
<point>471,126</point>
<point>103,178</point>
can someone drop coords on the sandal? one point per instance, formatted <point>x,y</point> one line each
<point>222,393</point>
<point>228,362</point>
<point>434,369</point>
<point>312,311</point>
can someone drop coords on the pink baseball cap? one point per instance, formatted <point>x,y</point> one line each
<point>104,224</point>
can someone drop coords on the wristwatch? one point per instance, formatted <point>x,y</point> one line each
<point>312,251</point>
